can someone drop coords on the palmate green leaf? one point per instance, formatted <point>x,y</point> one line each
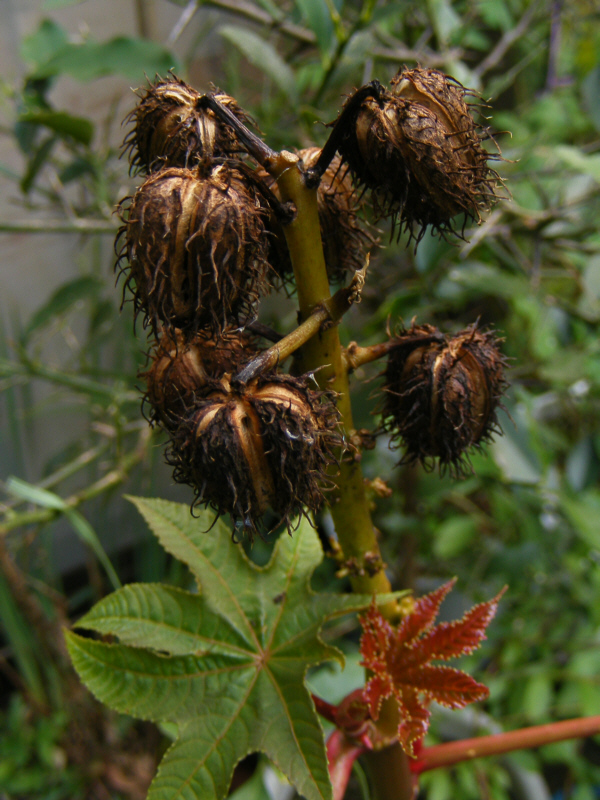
<point>226,665</point>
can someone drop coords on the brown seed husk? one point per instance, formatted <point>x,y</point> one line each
<point>442,394</point>
<point>193,247</point>
<point>345,236</point>
<point>371,148</point>
<point>265,445</point>
<point>419,150</point>
<point>450,160</point>
<point>181,371</point>
<point>172,130</point>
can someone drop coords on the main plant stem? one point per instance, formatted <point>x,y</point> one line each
<point>323,352</point>
<point>390,777</point>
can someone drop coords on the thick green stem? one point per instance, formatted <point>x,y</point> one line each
<point>389,774</point>
<point>323,351</point>
<point>349,507</point>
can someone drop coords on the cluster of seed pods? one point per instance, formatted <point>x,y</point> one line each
<point>203,240</point>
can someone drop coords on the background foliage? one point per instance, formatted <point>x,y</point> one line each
<point>528,516</point>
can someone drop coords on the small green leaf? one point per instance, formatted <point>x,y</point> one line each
<point>515,459</point>
<point>133,58</point>
<point>495,15</point>
<point>318,18</point>
<point>537,696</point>
<point>444,18</point>
<point>36,163</point>
<point>227,665</point>
<point>276,13</point>
<point>484,278</point>
<point>61,301</point>
<point>45,499</point>
<point>583,512</point>
<point>44,43</point>
<point>453,536</point>
<point>590,89</point>
<point>64,124</point>
<point>75,170</point>
<point>264,56</point>
<point>576,159</point>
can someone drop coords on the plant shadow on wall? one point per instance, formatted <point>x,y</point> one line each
<point>258,422</point>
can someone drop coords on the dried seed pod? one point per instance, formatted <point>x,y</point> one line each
<point>441,394</point>
<point>171,129</point>
<point>266,444</point>
<point>193,247</point>
<point>446,156</point>
<point>418,149</point>
<point>370,145</point>
<point>346,238</point>
<point>183,371</point>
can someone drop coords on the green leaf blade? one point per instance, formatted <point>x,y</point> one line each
<point>130,57</point>
<point>200,764</point>
<point>224,573</point>
<point>318,18</point>
<point>78,128</point>
<point>227,665</point>
<point>155,687</point>
<point>163,618</point>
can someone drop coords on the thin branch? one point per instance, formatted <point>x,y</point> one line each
<point>184,20</point>
<point>33,369</point>
<point>146,18</point>
<point>506,42</point>
<point>328,312</point>
<point>251,12</point>
<point>106,482</point>
<point>253,143</point>
<point>444,755</point>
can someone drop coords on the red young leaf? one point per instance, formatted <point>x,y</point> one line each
<point>399,660</point>
<point>425,611</point>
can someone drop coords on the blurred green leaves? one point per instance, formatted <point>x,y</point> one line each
<point>50,53</point>
<point>263,55</point>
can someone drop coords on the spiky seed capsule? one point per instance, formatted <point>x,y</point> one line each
<point>441,393</point>
<point>418,149</point>
<point>447,157</point>
<point>181,372</point>
<point>345,236</point>
<point>264,445</point>
<point>193,247</point>
<point>171,129</point>
<point>371,148</point>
